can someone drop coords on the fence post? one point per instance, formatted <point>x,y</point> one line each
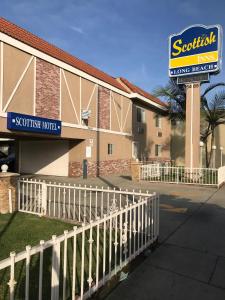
<point>12,281</point>
<point>43,198</point>
<point>55,269</point>
<point>177,173</point>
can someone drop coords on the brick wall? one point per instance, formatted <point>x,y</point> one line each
<point>103,108</point>
<point>75,169</point>
<point>47,90</point>
<point>8,182</point>
<point>107,167</point>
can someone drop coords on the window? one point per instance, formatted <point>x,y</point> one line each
<point>110,149</point>
<point>158,121</point>
<point>135,150</point>
<point>140,115</point>
<point>158,150</point>
<point>159,134</point>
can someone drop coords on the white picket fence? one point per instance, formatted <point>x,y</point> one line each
<point>167,174</point>
<point>76,264</point>
<point>78,203</point>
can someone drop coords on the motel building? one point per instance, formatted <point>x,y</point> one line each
<point>62,116</point>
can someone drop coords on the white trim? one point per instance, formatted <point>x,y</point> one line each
<point>126,115</point>
<point>34,99</point>
<point>146,100</point>
<point>70,96</point>
<point>90,99</point>
<point>94,129</point>
<point>1,74</point>
<point>20,45</point>
<point>18,83</point>
<point>116,112</point>
<point>78,126</point>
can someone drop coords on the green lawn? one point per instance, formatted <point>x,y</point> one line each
<point>22,229</point>
<point>19,230</point>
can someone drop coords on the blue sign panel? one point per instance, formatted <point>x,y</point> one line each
<point>195,50</point>
<point>21,122</point>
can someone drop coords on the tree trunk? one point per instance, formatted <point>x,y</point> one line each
<point>212,142</point>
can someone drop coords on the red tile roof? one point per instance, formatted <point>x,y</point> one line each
<point>135,89</point>
<point>34,41</point>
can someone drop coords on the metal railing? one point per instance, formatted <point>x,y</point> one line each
<point>78,203</point>
<point>77,263</point>
<point>199,176</point>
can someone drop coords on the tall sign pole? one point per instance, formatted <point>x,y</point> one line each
<point>194,54</point>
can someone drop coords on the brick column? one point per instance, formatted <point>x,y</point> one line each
<point>8,188</point>
<point>135,170</point>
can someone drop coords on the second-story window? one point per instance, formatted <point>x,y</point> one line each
<point>110,149</point>
<point>158,121</point>
<point>158,150</point>
<point>140,115</point>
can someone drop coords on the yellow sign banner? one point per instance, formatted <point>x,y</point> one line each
<point>196,59</point>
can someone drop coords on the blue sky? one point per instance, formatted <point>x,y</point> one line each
<point>127,38</point>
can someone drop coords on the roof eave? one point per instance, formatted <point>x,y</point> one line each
<point>147,101</point>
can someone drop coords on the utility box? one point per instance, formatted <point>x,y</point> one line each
<point>85,168</point>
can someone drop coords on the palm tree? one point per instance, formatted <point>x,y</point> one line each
<point>212,110</point>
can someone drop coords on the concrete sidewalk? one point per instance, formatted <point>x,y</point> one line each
<point>189,263</point>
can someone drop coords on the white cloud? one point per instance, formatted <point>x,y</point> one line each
<point>77,29</point>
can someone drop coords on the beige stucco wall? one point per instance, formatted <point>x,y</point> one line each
<point>219,142</point>
<point>178,143</point>
<point>148,139</point>
<point>99,144</point>
<point>14,64</point>
<point>78,93</point>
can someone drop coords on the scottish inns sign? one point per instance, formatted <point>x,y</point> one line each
<point>195,50</point>
<point>23,122</point>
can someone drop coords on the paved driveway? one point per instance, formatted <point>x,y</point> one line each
<point>190,260</point>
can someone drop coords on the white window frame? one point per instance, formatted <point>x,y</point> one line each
<point>159,118</point>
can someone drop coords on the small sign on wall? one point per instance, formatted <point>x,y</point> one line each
<point>88,151</point>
